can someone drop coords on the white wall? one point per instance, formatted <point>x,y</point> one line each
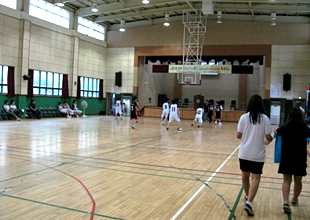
<point>295,60</point>
<point>30,43</point>
<point>119,59</point>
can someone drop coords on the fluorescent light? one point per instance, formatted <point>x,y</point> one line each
<point>145,1</point>
<point>209,74</point>
<point>122,29</point>
<point>166,24</point>
<point>60,3</point>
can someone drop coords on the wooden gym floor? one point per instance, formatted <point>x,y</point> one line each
<point>100,168</point>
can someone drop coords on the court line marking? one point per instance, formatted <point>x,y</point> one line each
<point>203,186</point>
<point>94,157</point>
<point>236,204</point>
<point>86,189</point>
<point>61,207</point>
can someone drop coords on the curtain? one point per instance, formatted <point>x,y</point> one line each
<point>78,95</point>
<point>65,87</point>
<point>30,84</point>
<point>101,89</point>
<point>11,84</point>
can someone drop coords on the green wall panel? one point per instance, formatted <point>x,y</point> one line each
<point>94,105</point>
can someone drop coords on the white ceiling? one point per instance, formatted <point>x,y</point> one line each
<point>137,14</point>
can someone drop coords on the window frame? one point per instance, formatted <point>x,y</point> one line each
<point>90,28</point>
<point>50,13</point>
<point>39,86</point>
<point>89,90</point>
<point>3,79</point>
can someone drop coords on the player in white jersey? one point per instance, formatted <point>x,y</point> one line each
<point>165,113</point>
<point>174,115</point>
<point>198,116</point>
<point>118,109</point>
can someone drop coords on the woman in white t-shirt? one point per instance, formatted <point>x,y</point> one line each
<point>253,126</point>
<point>15,110</point>
<point>64,110</point>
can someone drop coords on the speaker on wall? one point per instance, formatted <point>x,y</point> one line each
<point>118,79</point>
<point>287,82</point>
<point>26,77</point>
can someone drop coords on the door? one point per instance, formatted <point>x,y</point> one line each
<point>126,106</point>
<point>161,99</point>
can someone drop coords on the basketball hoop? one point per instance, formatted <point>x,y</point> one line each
<point>187,82</point>
<point>307,88</point>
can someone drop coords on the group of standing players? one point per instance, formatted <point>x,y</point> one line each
<point>171,112</point>
<point>209,107</point>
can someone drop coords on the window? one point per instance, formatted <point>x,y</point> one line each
<point>49,12</point>
<point>89,87</point>
<point>47,83</point>
<point>10,3</point>
<point>90,28</point>
<point>4,79</point>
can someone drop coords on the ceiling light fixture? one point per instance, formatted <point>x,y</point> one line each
<point>166,20</point>
<point>273,19</point>
<point>145,1</point>
<point>95,9</point>
<point>59,3</point>
<point>219,17</point>
<point>122,29</point>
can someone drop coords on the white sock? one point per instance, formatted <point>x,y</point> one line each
<point>250,203</point>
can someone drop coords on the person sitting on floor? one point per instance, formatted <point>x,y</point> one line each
<point>15,110</point>
<point>9,111</point>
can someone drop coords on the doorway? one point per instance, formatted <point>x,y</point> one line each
<point>126,105</point>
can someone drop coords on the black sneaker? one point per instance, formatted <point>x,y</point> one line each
<point>248,209</point>
<point>294,203</point>
<point>286,208</point>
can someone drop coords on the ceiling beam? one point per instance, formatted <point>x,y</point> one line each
<point>120,6</point>
<point>143,12</point>
<point>225,17</point>
<point>116,7</point>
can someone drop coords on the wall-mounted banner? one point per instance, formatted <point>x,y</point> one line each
<point>202,68</point>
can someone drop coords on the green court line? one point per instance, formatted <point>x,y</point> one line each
<point>141,168</point>
<point>174,177</point>
<point>139,173</point>
<point>61,207</point>
<point>232,213</point>
<point>26,174</point>
<point>289,217</point>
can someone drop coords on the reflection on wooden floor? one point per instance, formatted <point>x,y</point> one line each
<point>100,168</point>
